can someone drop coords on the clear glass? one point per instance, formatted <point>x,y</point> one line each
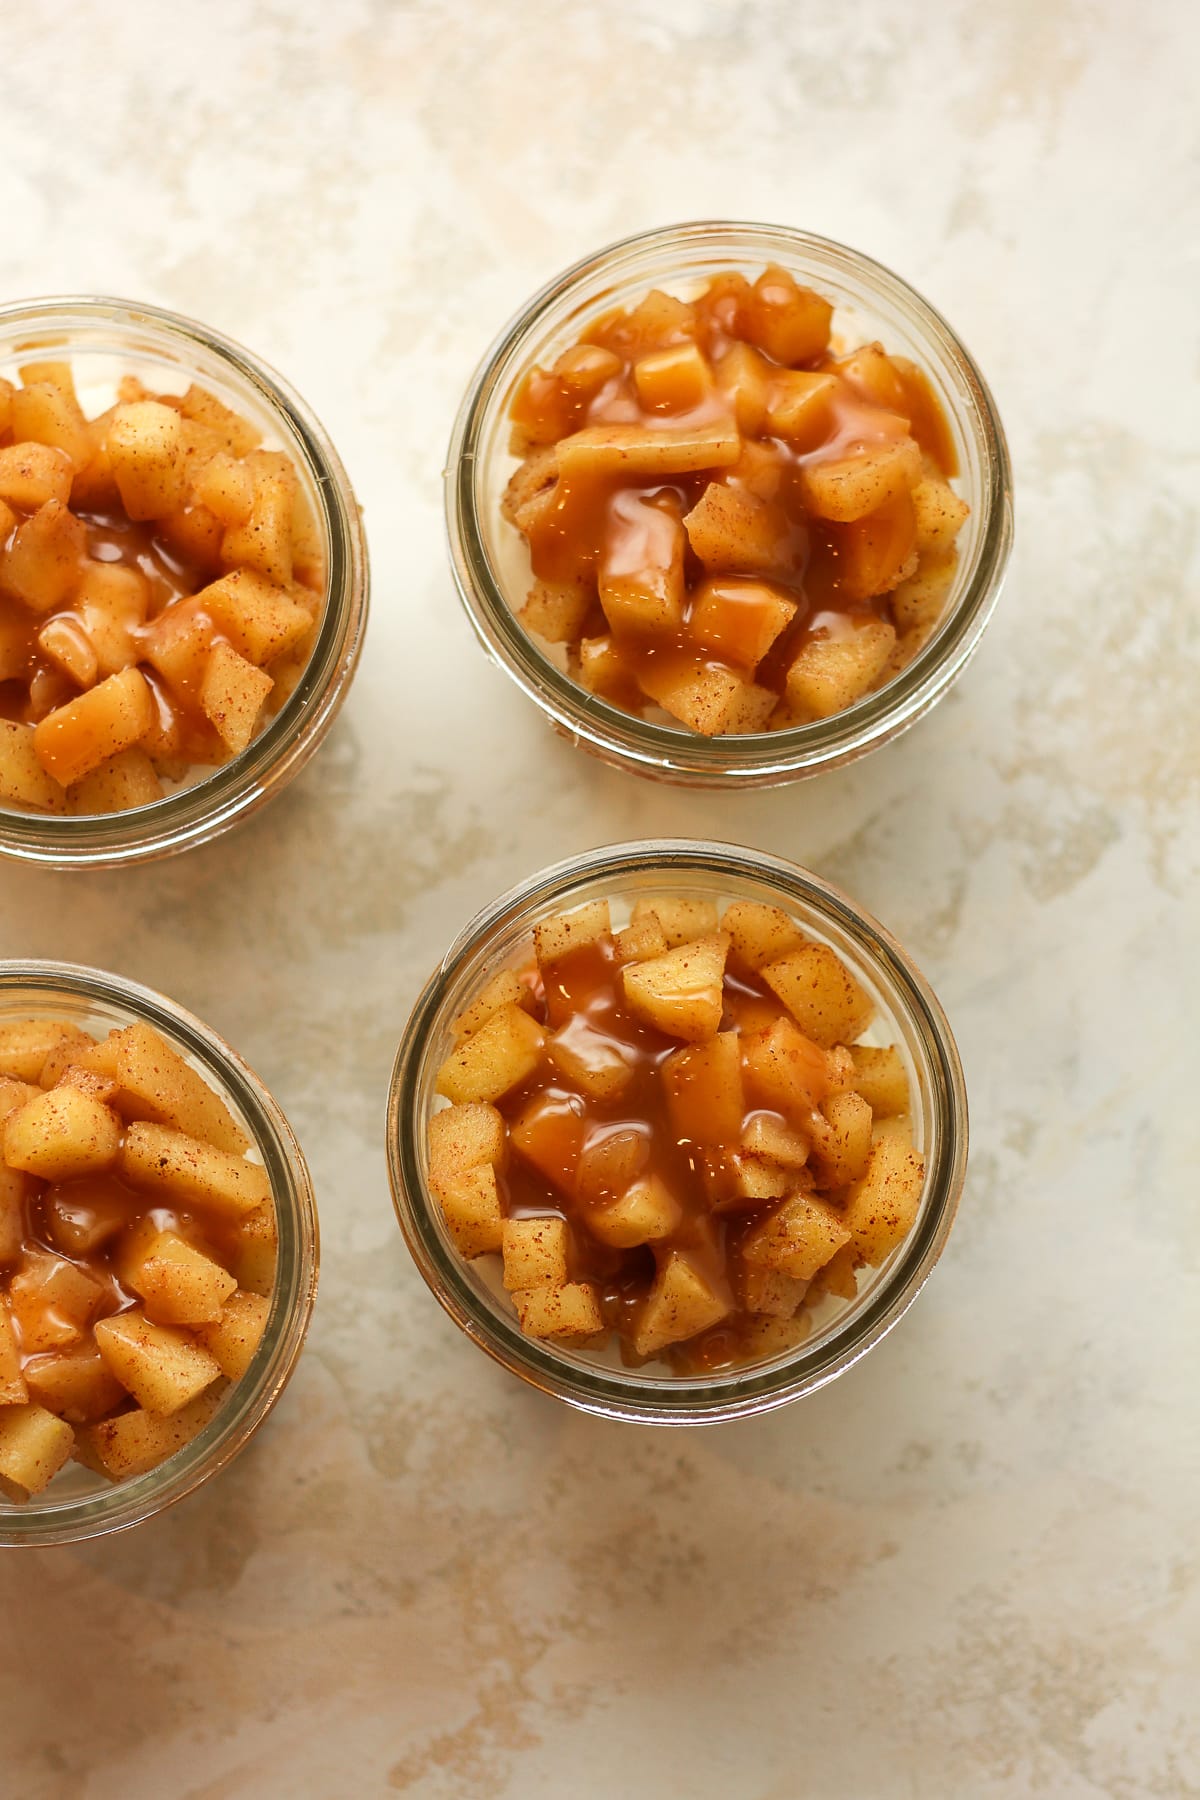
<point>79,1504</point>
<point>908,1014</point>
<point>491,562</point>
<point>104,339</point>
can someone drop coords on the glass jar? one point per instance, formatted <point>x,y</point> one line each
<point>103,340</point>
<point>908,1014</point>
<point>491,562</point>
<point>78,1504</point>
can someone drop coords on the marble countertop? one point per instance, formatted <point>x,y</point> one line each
<point>969,1568</point>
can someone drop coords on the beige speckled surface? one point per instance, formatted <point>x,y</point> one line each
<point>970,1568</point>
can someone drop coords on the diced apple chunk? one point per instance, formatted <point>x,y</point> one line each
<point>256,1251</point>
<point>145,444</point>
<point>766,1292</point>
<point>681,1303</point>
<point>765,1135</point>
<point>611,1162</point>
<point>759,933</point>
<point>61,1133</point>
<point>75,1384</point>
<point>680,993</point>
<point>498,1057</point>
<point>829,674</point>
<point>640,573</point>
<point>711,700</point>
<point>462,1137</point>
<point>736,1179</point>
<point>598,1065</point>
<point>160,1159</point>
<point>34,1445</point>
<point>234,1337</point>
<point>260,619</point>
<point>679,916</point>
<point>881,1208</point>
<point>562,933</point>
<point>645,1213</point>
<point>880,1077</point>
<point>263,543</point>
<point>45,413</point>
<point>13,1389</point>
<point>22,777</point>
<point>505,988</point>
<point>536,1253</point>
<point>640,940</point>
<point>163,1368</point>
<point>470,1201</point>
<point>178,1284</point>
<point>739,619</point>
<point>791,323</point>
<point>785,1070</point>
<point>704,1091</point>
<point>157,1084</point>
<point>841,1140</point>
<point>849,487</point>
<point>137,1441</point>
<point>549,1134</point>
<point>76,738</point>
<point>827,1003</point>
<point>673,380</point>
<point>31,474</point>
<point>26,1043</point>
<point>605,451</point>
<point>797,1238</point>
<point>569,1311</point>
<point>736,532</point>
<point>123,781</point>
<point>800,408</point>
<point>43,562</point>
<point>555,611</point>
<point>232,694</point>
<point>940,515</point>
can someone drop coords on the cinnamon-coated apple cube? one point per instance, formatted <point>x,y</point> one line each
<point>162,1367</point>
<point>880,1077</point>
<point>34,1445</point>
<point>711,700</point>
<point>743,377</point>
<point>828,674</point>
<point>137,1441</point>
<point>759,933</point>
<point>237,434</point>
<point>84,1215</point>
<point>800,1235</point>
<point>640,571</point>
<point>14,630</point>
<point>499,1056</point>
<point>876,553</point>
<point>46,413</point>
<point>263,543</point>
<point>14,1191</point>
<point>52,1301</point>
<point>645,1213</point>
<point>918,603</point>
<point>569,1311</point>
<point>157,1084</point>
<point>562,933</point>
<point>785,1069</point>
<point>791,323</point>
<point>770,1137</point>
<point>736,532</point>
<point>31,474</point>
<point>94,488</point>
<point>603,670</point>
<point>195,536</point>
<point>556,611</point>
<point>641,939</point>
<point>100,1087</point>
<point>766,1292</point>
<point>13,1388</point>
<point>51,371</point>
<point>679,916</point>
<point>607,452</point>
<point>75,1384</point>
<point>800,407</point>
<point>65,1048</point>
<point>145,450</point>
<point>767,1335</point>
<point>739,619</point>
<point>848,487</point>
<point>260,620</point>
<point>940,515</point>
<point>118,784</point>
<point>77,738</point>
<point>673,380</point>
<point>472,1209</point>
<point>531,491</point>
<point>583,369</point>
<point>504,988</point>
<point>463,1137</point>
<point>881,1207</point>
<point>827,1003</point>
<point>234,1337</point>
<point>255,1251</point>
<point>111,602</point>
<point>703,1085</point>
<point>681,992</point>
<point>160,1159</point>
<point>872,373</point>
<point>68,646</point>
<point>178,643</point>
<point>839,1276</point>
<point>536,1253</point>
<point>26,1043</point>
<point>232,694</point>
<point>841,1140</point>
<point>735,1180</point>
<point>548,1133</point>
<point>598,1065</point>
<point>178,1284</point>
<point>226,487</point>
<point>61,1133</point>
<point>22,777</point>
<point>682,1302</point>
<point>43,561</point>
<point>611,1163</point>
<point>13,1093</point>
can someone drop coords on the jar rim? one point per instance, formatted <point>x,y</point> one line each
<point>217,801</point>
<point>671,751</point>
<point>675,1399</point>
<point>46,1520</point>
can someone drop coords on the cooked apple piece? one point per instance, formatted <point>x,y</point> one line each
<point>78,737</point>
<point>194,536</point>
<point>785,1070</point>
<point>766,1292</point>
<point>94,488</point>
<point>679,917</point>
<point>43,561</point>
<point>236,433</point>
<point>641,939</point>
<point>598,1065</point>
<point>137,1441</point>
<point>876,553</point>
<point>177,1283</point>
<point>645,1213</point>
<point>25,1045</point>
<point>125,780</point>
<point>744,378</point>
<point>530,493</point>
<point>841,1140</point>
<point>111,602</point>
<point>34,1445</point>
<point>711,700</point>
<point>13,1389</point>
<point>232,694</point>
<point>767,1136</point>
<point>739,619</point>
<point>562,933</point>
<point>84,1215</point>
<point>548,1133</point>
<point>797,1238</point>
<point>918,603</point>
<point>499,1056</point>
<point>735,1179</point>
<point>704,1091</point>
<point>536,1253</point>
<point>800,407</point>
<point>61,1133</point>
<point>791,323</point>
<point>69,648</point>
<point>556,610</point>
<point>155,1157</point>
<point>505,988</point>
<point>264,542</point>
<point>765,1336</point>
<point>611,1163</point>
<point>736,532</point>
<point>157,1084</point>
<point>821,994</point>
<point>640,572</point>
<point>940,515</point>
<point>52,1301</point>
<point>839,1276</point>
<point>14,1190</point>
<point>674,380</point>
<point>584,369</point>
<point>75,1384</point>
<point>828,674</point>
<point>31,474</point>
<point>849,487</point>
<point>605,670</point>
<point>145,450</point>
<point>22,777</point>
<point>45,413</point>
<point>680,993</point>
<point>226,487</point>
<point>462,1137</point>
<point>62,1053</point>
<point>879,1076</point>
<point>7,390</point>
<point>256,1251</point>
<point>682,1302</point>
<point>600,452</point>
<point>472,1208</point>
<point>759,933</point>
<point>881,1207</point>
<point>163,1368</point>
<point>261,621</point>
<point>569,1311</point>
<point>234,1337</point>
